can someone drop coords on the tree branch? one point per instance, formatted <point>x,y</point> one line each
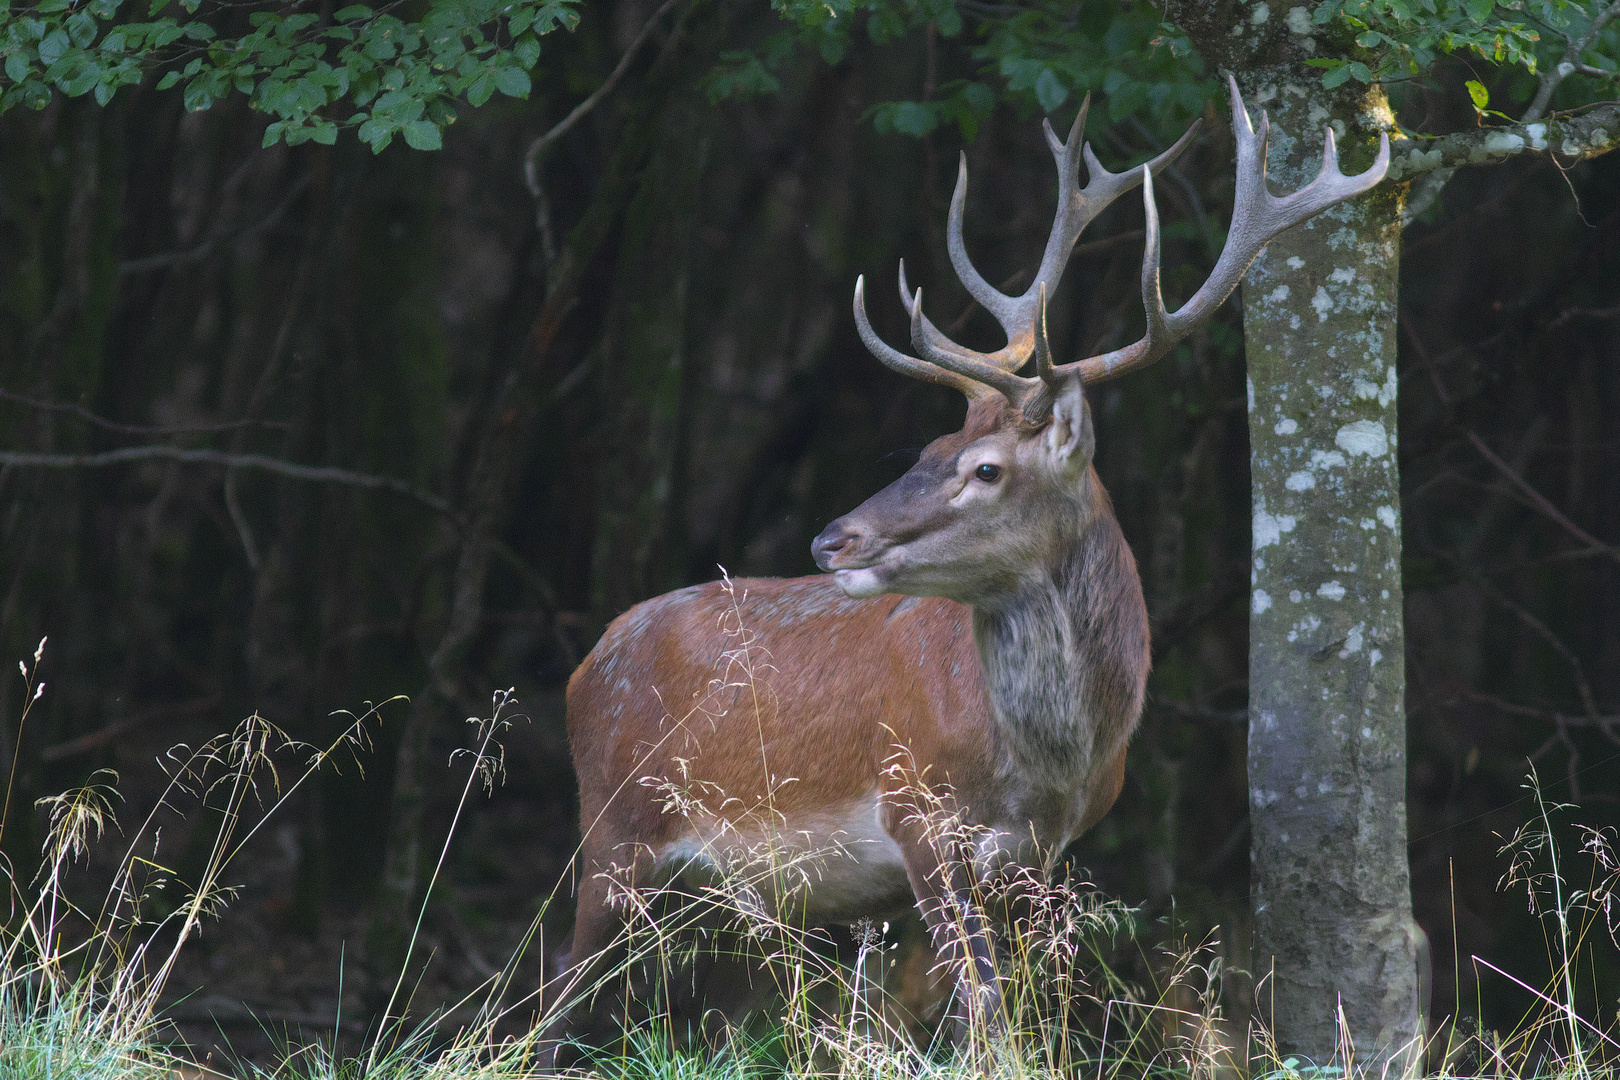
<point>531,160</point>
<point>319,473</point>
<point>126,429</point>
<point>1570,64</point>
<point>1588,135</point>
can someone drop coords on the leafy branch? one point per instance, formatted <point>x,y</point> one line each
<point>362,68</point>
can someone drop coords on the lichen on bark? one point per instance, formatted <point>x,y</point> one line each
<point>1327,727</point>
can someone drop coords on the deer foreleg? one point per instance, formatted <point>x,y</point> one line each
<point>941,878</point>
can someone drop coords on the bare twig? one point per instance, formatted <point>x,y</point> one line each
<point>189,456</point>
<point>220,236</point>
<point>124,429</point>
<point>1550,77</point>
<point>1537,499</point>
<point>1590,313</point>
<point>96,739</point>
<point>531,160</point>
<point>1540,501</point>
<point>1540,629</point>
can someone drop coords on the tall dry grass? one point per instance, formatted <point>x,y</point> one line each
<point>81,984</point>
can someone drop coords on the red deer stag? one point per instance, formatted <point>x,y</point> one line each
<point>983,621</point>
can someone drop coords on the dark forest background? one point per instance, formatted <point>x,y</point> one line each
<point>654,373</point>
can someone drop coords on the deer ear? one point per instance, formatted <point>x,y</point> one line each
<point>1070,438</point>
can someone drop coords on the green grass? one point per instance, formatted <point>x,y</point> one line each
<point>80,984</point>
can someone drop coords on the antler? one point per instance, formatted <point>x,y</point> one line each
<point>1257,218</point>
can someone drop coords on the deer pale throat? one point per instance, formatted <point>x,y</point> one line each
<point>976,660</point>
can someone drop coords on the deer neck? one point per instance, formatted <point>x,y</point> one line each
<point>1063,655</point>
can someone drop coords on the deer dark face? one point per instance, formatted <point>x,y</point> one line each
<point>983,509</point>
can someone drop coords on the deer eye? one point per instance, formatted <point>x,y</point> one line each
<point>988,473</point>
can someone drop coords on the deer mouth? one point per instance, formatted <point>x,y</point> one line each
<point>863,582</point>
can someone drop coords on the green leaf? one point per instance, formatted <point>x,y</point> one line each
<point>1337,77</point>
<point>1481,96</point>
<point>55,44</point>
<point>511,81</point>
<point>1324,12</point>
<point>168,80</point>
<point>480,90</point>
<point>912,118</point>
<point>353,13</point>
<point>16,67</point>
<point>325,132</point>
<point>1050,91</point>
<point>527,50</point>
<point>199,94</point>
<point>422,135</point>
<point>103,9</point>
<point>1480,10</point>
<point>82,28</point>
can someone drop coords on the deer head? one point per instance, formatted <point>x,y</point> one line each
<point>1009,494</point>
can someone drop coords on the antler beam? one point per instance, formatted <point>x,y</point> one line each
<point>1257,218</point>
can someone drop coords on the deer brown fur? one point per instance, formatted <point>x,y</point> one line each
<point>980,649</point>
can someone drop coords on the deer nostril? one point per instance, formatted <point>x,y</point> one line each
<point>833,539</point>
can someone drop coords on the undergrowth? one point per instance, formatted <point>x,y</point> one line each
<point>81,984</point>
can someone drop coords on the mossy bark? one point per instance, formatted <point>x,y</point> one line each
<point>1327,724</point>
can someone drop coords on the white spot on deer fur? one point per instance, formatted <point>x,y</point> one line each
<point>1352,641</point>
<point>1285,426</point>
<point>1269,528</point>
<point>1300,481</point>
<point>1363,437</point>
<point>1262,602</point>
<point>1262,12</point>
<point>1295,595</point>
<point>1330,590</point>
<point>1277,295</point>
<point>1322,302</point>
<point>1386,514</point>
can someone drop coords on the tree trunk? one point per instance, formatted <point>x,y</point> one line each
<point>1327,727</point>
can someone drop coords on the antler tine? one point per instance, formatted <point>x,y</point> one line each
<point>1040,392</point>
<point>938,342</point>
<point>906,365</point>
<point>1257,218</point>
<point>992,299</point>
<point>974,366</point>
<point>1079,207</point>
